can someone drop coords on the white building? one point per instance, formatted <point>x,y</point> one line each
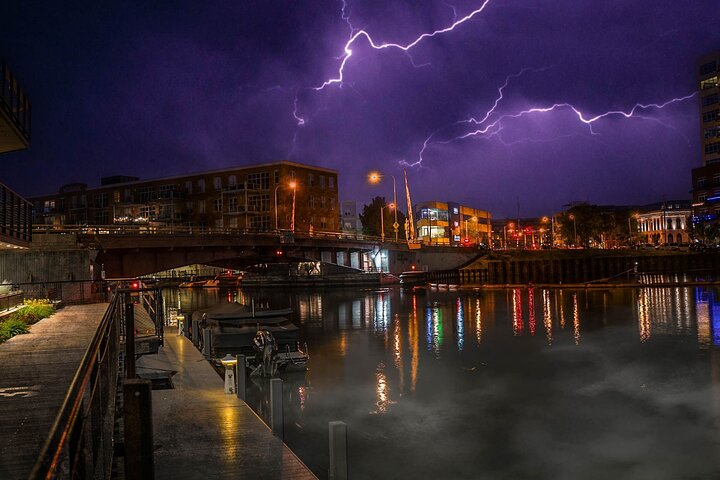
<point>665,222</point>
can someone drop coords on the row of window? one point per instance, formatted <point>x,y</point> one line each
<point>711,99</point>
<point>712,148</point>
<point>711,116</point>
<point>712,132</point>
<point>711,82</point>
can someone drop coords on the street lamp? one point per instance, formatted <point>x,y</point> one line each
<point>382,220</point>
<point>572,217</point>
<point>293,185</point>
<point>375,177</point>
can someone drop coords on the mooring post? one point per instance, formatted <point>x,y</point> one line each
<point>194,334</point>
<point>206,342</point>
<point>240,376</point>
<point>338,451</point>
<point>139,462</point>
<point>276,407</point>
<point>129,339</point>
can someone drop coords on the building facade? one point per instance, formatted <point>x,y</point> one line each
<point>349,217</point>
<point>706,179</point>
<point>450,223</point>
<point>665,223</point>
<point>266,197</point>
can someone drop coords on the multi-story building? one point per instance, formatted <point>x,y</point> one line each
<point>449,223</point>
<point>282,195</point>
<point>15,211</point>
<point>706,179</point>
<point>349,218</point>
<point>664,222</point>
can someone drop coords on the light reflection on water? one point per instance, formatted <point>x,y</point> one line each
<point>647,345</point>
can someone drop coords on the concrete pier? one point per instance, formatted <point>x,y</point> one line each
<point>201,432</point>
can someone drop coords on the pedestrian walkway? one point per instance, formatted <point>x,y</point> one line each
<point>201,432</point>
<point>36,370</point>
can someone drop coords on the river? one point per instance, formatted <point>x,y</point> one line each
<point>501,384</point>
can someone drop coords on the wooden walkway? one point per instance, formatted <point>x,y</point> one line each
<point>35,373</point>
<point>200,432</point>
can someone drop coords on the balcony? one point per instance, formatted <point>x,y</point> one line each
<point>15,220</point>
<point>14,113</point>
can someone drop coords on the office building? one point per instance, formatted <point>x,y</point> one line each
<point>706,179</point>
<point>450,223</point>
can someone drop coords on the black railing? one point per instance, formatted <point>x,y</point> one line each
<point>81,442</point>
<point>14,101</point>
<point>15,216</point>
<point>67,292</point>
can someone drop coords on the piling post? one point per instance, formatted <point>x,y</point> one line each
<point>240,376</point>
<point>206,342</point>
<point>139,462</point>
<point>338,451</point>
<point>276,407</point>
<point>129,339</point>
<point>194,332</point>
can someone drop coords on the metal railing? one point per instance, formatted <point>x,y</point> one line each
<point>81,441</point>
<point>68,291</point>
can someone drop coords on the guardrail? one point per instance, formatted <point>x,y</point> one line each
<point>68,291</point>
<point>39,229</point>
<point>81,443</point>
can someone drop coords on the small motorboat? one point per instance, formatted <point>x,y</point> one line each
<point>413,278</point>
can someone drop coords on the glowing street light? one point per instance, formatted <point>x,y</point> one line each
<point>375,177</point>
<point>293,185</point>
<point>382,221</point>
<point>572,217</point>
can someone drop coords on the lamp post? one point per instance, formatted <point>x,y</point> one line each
<point>293,185</point>
<point>382,220</point>
<point>375,177</point>
<point>276,208</point>
<point>572,217</point>
<point>229,363</point>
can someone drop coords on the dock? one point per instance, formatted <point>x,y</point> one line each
<point>36,370</point>
<point>201,432</point>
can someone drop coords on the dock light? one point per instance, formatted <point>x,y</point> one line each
<point>278,253</point>
<point>229,363</point>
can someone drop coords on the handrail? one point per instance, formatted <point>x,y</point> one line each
<point>63,445</point>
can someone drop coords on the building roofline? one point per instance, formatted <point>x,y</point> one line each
<point>192,174</point>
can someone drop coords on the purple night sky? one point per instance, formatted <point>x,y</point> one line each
<point>157,90</point>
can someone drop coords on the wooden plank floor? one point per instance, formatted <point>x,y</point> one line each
<point>200,432</point>
<point>35,372</point>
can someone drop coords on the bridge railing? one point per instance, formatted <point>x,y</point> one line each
<point>287,236</point>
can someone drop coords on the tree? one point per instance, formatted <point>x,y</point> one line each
<point>370,218</point>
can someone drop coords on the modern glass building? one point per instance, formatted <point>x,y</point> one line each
<point>450,223</point>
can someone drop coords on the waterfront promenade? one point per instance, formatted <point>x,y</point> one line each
<point>201,432</point>
<point>36,370</point>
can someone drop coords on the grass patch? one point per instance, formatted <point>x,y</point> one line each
<point>19,321</point>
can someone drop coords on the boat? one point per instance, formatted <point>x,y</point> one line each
<point>234,327</point>
<point>413,278</point>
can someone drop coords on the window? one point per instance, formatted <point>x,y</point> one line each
<point>322,202</point>
<point>716,179</point>
<point>116,196</point>
<point>711,99</point>
<point>217,204</point>
<point>259,203</point>
<point>455,210</point>
<point>323,223</point>
<point>201,206</point>
<point>702,197</point>
<point>100,200</point>
<point>188,186</point>
<point>232,204</point>
<point>712,148</point>
<point>232,181</point>
<point>147,212</point>
<point>311,180</point>
<point>708,67</point>
<point>217,183</point>
<point>167,191</point>
<point>711,116</point>
<point>277,176</point>
<point>331,183</point>
<point>258,181</point>
<point>311,202</point>
<point>49,206</point>
<point>102,218</point>
<point>260,222</point>
<point>712,132</point>
<point>711,82</point>
<point>322,181</point>
<point>201,185</point>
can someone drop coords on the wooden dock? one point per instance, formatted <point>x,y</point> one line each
<point>201,432</point>
<point>36,370</point>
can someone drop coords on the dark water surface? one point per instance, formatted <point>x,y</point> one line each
<point>506,384</point>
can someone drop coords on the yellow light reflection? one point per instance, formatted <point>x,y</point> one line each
<point>478,322</point>
<point>576,320</point>
<point>562,311</point>
<point>547,316</point>
<point>702,311</point>
<point>518,325</point>
<point>414,344</point>
<point>397,351</point>
<point>643,315</point>
<point>382,391</point>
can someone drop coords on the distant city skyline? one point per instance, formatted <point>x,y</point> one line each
<point>484,102</point>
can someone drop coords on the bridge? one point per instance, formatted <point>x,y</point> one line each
<point>131,250</point>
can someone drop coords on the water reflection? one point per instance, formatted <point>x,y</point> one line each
<point>518,325</point>
<point>460,319</point>
<point>531,310</point>
<point>478,322</point>
<point>433,317</point>
<point>382,390</point>
<point>547,316</point>
<point>576,320</point>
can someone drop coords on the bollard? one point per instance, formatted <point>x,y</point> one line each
<point>139,462</point>
<point>276,407</point>
<point>338,451</point>
<point>206,342</point>
<point>194,333</point>
<point>129,340</point>
<point>180,323</point>
<point>240,375</point>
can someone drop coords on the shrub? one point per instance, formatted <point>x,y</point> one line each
<point>11,327</point>
<point>34,310</point>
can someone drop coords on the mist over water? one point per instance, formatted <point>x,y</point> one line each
<point>505,384</point>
